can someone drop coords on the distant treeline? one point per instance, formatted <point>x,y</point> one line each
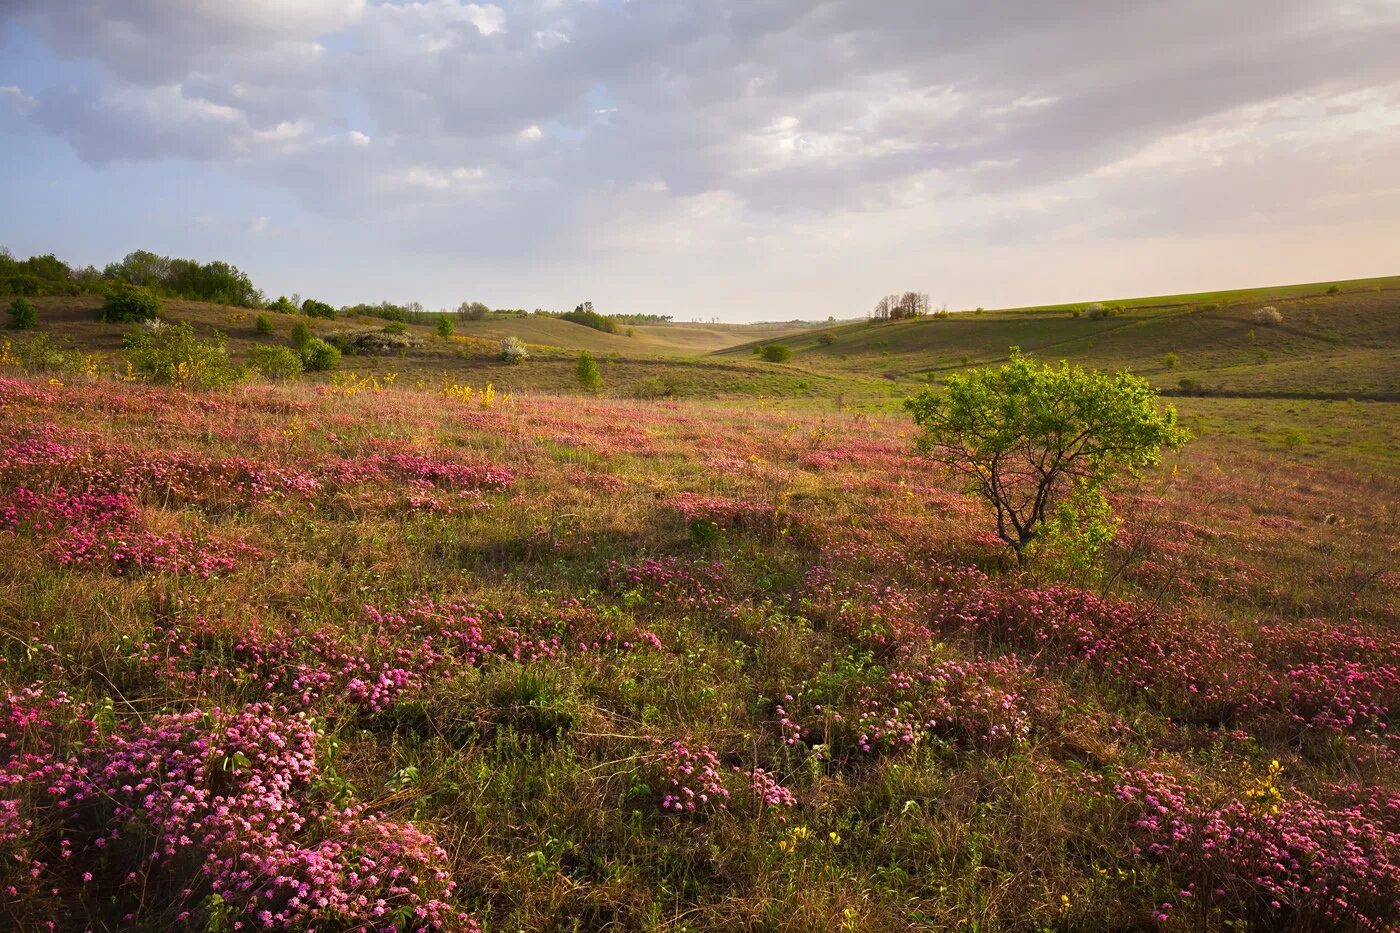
<point>216,281</point>
<point>223,283</point>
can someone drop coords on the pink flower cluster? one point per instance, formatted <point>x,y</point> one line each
<point>386,655</point>
<point>150,825</point>
<point>1297,863</point>
<point>690,779</point>
<point>103,530</point>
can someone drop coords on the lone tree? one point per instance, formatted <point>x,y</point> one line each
<point>1040,443</point>
<point>587,372</point>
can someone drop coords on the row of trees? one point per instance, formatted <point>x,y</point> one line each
<point>222,283</point>
<point>900,307</point>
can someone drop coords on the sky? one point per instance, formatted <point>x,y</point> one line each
<point>731,159</point>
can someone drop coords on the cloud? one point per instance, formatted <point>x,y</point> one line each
<point>568,125</point>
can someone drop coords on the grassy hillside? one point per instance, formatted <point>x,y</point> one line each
<point>318,658</point>
<point>1343,345</point>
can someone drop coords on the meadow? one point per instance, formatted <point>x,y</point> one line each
<point>389,649</point>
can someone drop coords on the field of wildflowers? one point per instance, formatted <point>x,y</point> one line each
<point>376,657</point>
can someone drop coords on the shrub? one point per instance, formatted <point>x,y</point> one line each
<point>283,305</point>
<point>129,303</point>
<point>319,356</point>
<point>587,372</point>
<point>263,324</point>
<point>39,354</point>
<point>774,352</point>
<point>23,315</point>
<point>445,327</point>
<point>301,334</point>
<point>275,362</point>
<point>175,356</point>
<point>655,387</point>
<point>395,327</point>
<point>1171,360</point>
<point>826,340</point>
<point>1095,312</point>
<point>513,351</point>
<point>1268,316</point>
<point>1334,289</point>
<point>313,308</point>
<point>1037,441</point>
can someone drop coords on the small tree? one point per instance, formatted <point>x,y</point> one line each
<point>1042,442</point>
<point>23,315</point>
<point>313,308</point>
<point>445,327</point>
<point>129,303</point>
<point>513,351</point>
<point>774,352</point>
<point>1171,361</point>
<point>301,334</point>
<point>274,362</point>
<point>317,355</point>
<point>587,371</point>
<point>263,324</point>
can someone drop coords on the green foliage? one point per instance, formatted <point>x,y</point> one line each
<point>773,352</point>
<point>313,308</point>
<point>301,334</point>
<point>1029,437</point>
<point>40,354</point>
<point>473,311</point>
<point>587,372</point>
<point>319,356</point>
<point>273,362</point>
<point>23,315</point>
<point>283,305</point>
<point>173,355</point>
<point>585,315</point>
<point>263,324</point>
<point>513,351</point>
<point>826,339</point>
<point>44,275</point>
<point>445,327</point>
<point>395,327</point>
<point>216,281</point>
<point>1171,361</point>
<point>1334,289</point>
<point>1075,534</point>
<point>130,303</point>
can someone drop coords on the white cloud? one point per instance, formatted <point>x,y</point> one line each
<point>673,123</point>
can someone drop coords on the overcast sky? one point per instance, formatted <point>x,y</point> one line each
<point>745,159</point>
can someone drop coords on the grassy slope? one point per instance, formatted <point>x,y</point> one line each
<point>1339,346</point>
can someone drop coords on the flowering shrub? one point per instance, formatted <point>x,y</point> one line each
<point>1294,862</point>
<point>211,808</point>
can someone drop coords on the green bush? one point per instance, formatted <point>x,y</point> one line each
<point>275,362</point>
<point>263,324</point>
<point>774,352</point>
<point>826,340</point>
<point>283,305</point>
<point>39,354</point>
<point>23,315</point>
<point>587,372</point>
<point>173,355</point>
<point>1171,360</point>
<point>395,327</point>
<point>318,356</point>
<point>313,308</point>
<point>301,334</point>
<point>130,303</point>
<point>445,327</point>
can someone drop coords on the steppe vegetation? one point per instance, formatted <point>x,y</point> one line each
<point>433,639</point>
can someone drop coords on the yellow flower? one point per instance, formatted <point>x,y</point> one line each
<point>835,837</point>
